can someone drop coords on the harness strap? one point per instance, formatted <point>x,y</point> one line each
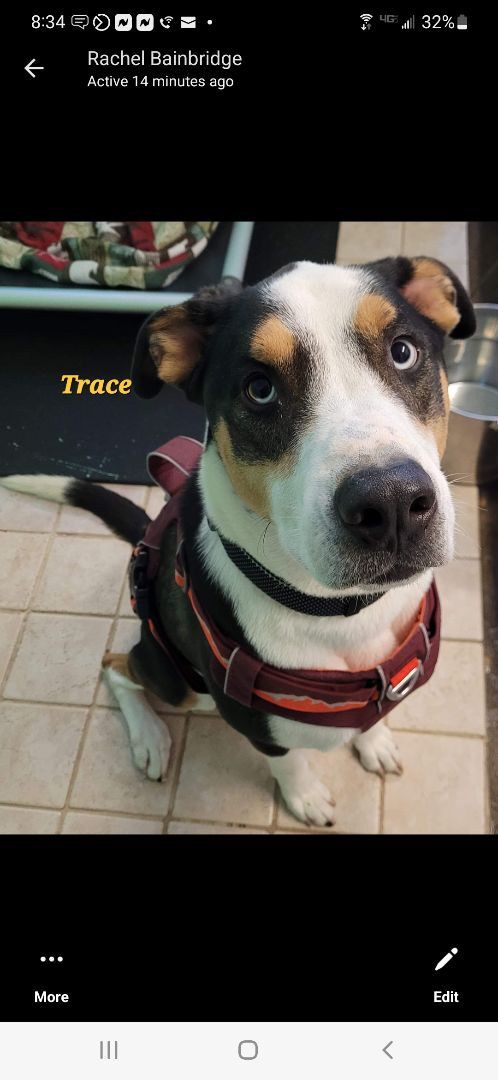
<point>337,698</point>
<point>171,464</point>
<point>330,698</point>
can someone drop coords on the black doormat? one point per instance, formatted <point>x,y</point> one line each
<point>98,437</point>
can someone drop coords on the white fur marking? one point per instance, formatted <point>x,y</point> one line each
<point>303,793</point>
<point>377,750</point>
<point>294,734</point>
<point>149,738</point>
<point>53,488</point>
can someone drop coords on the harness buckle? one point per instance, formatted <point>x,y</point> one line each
<point>139,584</point>
<point>405,685</point>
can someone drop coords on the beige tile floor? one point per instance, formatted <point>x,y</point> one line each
<point>65,766</point>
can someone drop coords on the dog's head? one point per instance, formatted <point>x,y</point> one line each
<point>326,395</point>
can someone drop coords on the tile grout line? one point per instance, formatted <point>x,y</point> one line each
<point>217,821</point>
<point>107,535</point>
<point>276,803</point>
<point>486,791</point>
<point>382,800</point>
<point>472,735</point>
<point>70,614</point>
<point>81,746</point>
<point>177,766</point>
<point>80,810</point>
<point>175,783</point>
<point>119,814</point>
<point>171,711</point>
<point>26,612</point>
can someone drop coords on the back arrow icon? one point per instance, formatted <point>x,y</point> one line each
<point>385,1050</point>
<point>32,67</point>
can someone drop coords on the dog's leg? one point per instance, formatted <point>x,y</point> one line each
<point>304,794</point>
<point>377,750</point>
<point>149,738</point>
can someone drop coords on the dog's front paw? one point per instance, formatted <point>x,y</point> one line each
<point>313,804</point>
<point>151,748</point>
<point>377,750</point>
<point>150,740</point>
<point>303,793</point>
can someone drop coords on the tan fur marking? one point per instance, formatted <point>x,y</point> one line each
<point>439,429</point>
<point>175,345</point>
<point>119,662</point>
<point>273,342</point>
<point>444,389</point>
<point>432,292</point>
<point>426,268</point>
<point>373,314</point>
<point>439,425</point>
<point>190,700</point>
<point>251,482</point>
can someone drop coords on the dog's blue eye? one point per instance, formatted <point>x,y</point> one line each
<point>404,354</point>
<point>260,390</point>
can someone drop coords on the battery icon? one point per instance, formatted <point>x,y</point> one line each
<point>462,22</point>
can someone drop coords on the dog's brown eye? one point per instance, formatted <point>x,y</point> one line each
<point>260,390</point>
<point>404,354</point>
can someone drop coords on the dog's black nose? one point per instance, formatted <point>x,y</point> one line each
<point>385,507</point>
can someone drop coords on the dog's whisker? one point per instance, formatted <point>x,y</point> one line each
<point>261,539</point>
<point>462,533</point>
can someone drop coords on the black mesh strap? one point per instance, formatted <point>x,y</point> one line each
<point>286,594</point>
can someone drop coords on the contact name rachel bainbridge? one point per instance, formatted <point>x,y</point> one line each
<point>155,58</point>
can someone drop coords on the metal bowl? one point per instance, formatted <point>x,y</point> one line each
<point>472,451</point>
<point>473,368</point>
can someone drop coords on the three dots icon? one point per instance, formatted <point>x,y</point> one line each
<point>51,959</point>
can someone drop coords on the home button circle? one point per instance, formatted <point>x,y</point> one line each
<point>248,1049</point>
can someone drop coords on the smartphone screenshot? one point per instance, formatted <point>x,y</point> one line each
<point>248,543</point>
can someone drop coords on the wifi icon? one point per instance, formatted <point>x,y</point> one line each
<point>365,20</point>
<point>166,22</point>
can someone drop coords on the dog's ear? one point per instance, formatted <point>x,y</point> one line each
<point>171,343</point>
<point>433,289</point>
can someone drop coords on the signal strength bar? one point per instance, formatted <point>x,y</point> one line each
<point>409,24</point>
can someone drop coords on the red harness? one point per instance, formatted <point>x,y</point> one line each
<point>353,699</point>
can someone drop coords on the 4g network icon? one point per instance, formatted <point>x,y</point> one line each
<point>367,20</point>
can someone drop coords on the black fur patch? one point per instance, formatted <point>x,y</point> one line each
<point>420,388</point>
<point>179,620</point>
<point>256,435</point>
<point>127,520</point>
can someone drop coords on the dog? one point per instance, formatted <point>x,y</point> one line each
<point>327,405</point>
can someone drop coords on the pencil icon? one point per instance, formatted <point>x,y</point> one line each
<point>446,959</point>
